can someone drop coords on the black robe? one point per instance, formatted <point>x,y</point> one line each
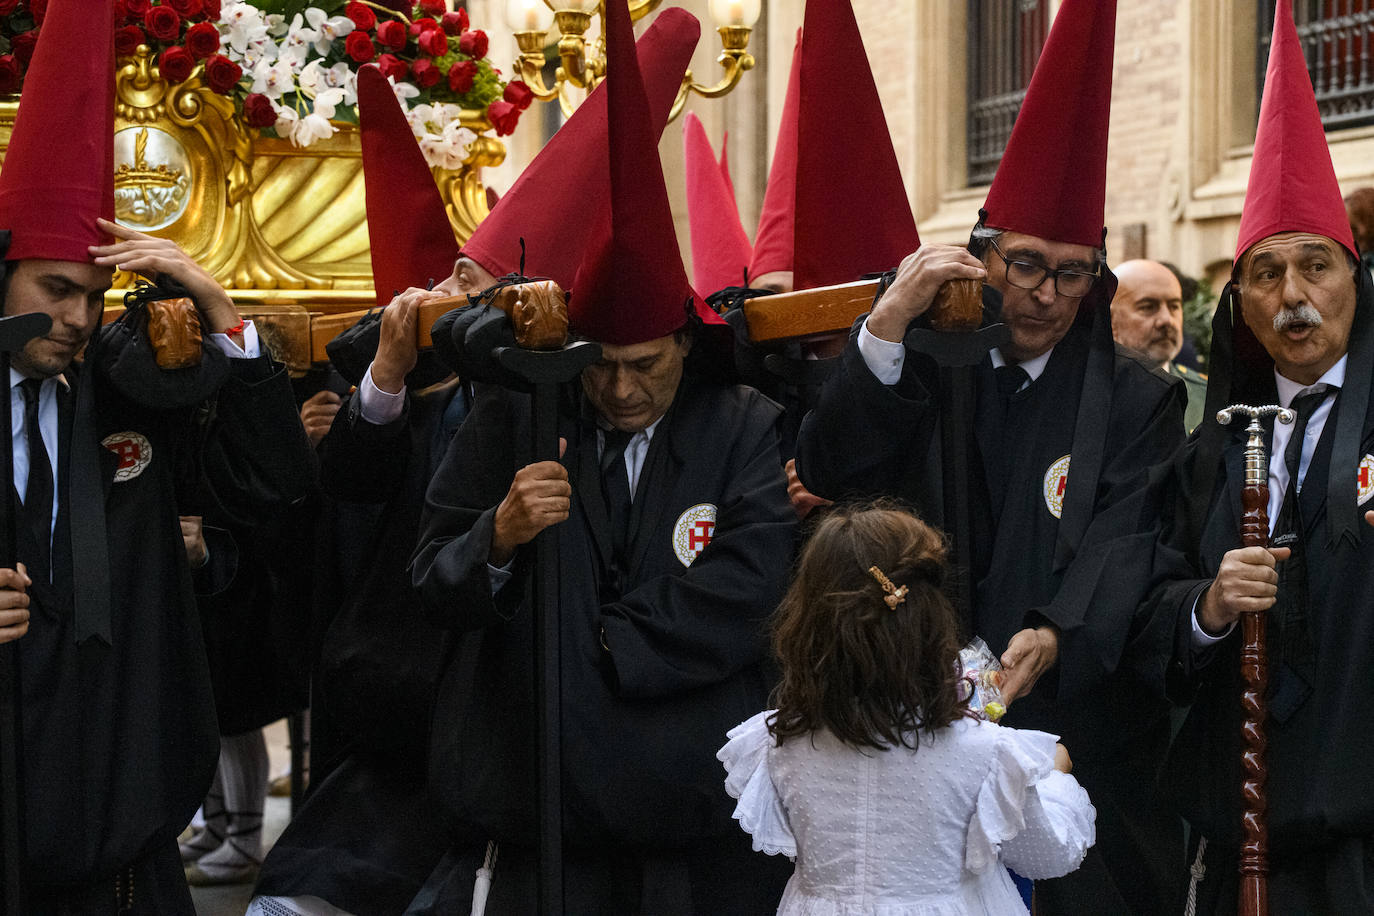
<point>120,740</point>
<point>687,644</point>
<point>867,439</point>
<point>1320,743</point>
<point>369,833</point>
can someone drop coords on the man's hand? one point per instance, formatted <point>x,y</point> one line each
<point>1062,762</point>
<point>14,603</point>
<point>1029,655</point>
<point>193,536</point>
<point>1369,516</point>
<point>539,496</point>
<point>803,500</point>
<point>397,352</point>
<point>317,414</point>
<point>1246,581</point>
<point>154,257</point>
<point>919,278</point>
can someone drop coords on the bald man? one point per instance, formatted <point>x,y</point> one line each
<point>1147,319</point>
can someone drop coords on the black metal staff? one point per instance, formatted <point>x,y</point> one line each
<point>546,371</point>
<point>15,332</point>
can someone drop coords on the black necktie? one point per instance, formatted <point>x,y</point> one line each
<point>38,496</point>
<point>1009,380</point>
<point>615,485</point>
<point>1304,406</point>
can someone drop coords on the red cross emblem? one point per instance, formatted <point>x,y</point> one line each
<point>693,531</point>
<point>127,451</point>
<point>133,450</point>
<point>699,535</point>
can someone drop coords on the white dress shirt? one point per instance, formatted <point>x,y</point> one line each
<point>1289,391</point>
<point>885,358</point>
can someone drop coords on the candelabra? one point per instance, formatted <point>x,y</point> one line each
<point>578,69</point>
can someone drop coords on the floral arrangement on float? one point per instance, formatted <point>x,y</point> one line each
<point>290,70</point>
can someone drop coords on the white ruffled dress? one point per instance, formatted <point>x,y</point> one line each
<point>909,833</point>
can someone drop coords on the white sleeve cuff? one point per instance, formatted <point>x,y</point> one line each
<point>379,407</point>
<point>1201,638</point>
<point>883,357</point>
<point>250,349</point>
<point>499,576</point>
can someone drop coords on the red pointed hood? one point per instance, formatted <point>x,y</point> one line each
<point>407,226</point>
<point>720,249</point>
<point>1292,183</point>
<point>853,220</point>
<point>58,174</point>
<point>566,185</point>
<point>631,286</point>
<point>1052,181</point>
<point>773,243</point>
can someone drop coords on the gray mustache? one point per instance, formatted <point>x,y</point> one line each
<point>1303,314</point>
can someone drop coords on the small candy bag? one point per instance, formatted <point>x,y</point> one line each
<point>980,680</point>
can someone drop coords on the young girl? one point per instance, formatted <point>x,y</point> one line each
<point>871,773</point>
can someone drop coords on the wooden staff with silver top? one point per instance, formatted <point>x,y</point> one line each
<point>1254,667</point>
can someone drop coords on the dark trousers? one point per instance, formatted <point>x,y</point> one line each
<point>153,885</point>
<point>720,877</point>
<point>1335,880</point>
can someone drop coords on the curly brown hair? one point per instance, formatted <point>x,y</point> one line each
<point>873,675</point>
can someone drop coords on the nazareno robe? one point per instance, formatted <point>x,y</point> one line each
<point>120,739</point>
<point>1320,733</point>
<point>687,643</point>
<point>866,439</point>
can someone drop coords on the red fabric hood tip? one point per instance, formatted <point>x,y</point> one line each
<point>58,175</point>
<point>1052,181</point>
<point>567,184</point>
<point>773,240</point>
<point>407,226</point>
<point>1292,184</point>
<point>720,248</point>
<point>855,220</point>
<point>632,287</point>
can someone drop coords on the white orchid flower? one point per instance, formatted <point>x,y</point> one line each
<point>326,101</point>
<point>310,128</point>
<point>327,28</point>
<point>286,120</point>
<point>276,24</point>
<point>405,91</point>
<point>273,78</point>
<point>241,24</point>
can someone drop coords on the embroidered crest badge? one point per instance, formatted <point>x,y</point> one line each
<point>1056,482</point>
<point>693,532</point>
<point>134,452</point>
<point>1364,480</point>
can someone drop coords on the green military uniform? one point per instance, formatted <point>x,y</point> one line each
<point>1196,384</point>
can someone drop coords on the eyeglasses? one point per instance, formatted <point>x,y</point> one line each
<point>1073,284</point>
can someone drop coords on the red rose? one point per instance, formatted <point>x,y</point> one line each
<point>421,26</point>
<point>363,18</point>
<point>392,34</point>
<point>211,9</point>
<point>434,43</point>
<point>121,11</point>
<point>461,76</point>
<point>163,23</point>
<point>393,66</point>
<point>175,64</point>
<point>127,40</point>
<point>187,9</point>
<point>518,94</point>
<point>202,40</point>
<point>222,74</point>
<point>359,46</point>
<point>38,9</point>
<point>503,116</point>
<point>432,7</point>
<point>425,73</point>
<point>137,8</point>
<point>453,23</point>
<point>7,7</point>
<point>474,43</point>
<point>10,74</point>
<point>258,110</point>
<point>21,46</point>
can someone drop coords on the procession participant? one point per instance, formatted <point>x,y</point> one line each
<point>1147,319</point>
<point>119,737</point>
<point>1059,554</point>
<point>1295,327</point>
<point>674,533</point>
<point>720,249</point>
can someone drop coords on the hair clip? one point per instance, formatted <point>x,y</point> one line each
<point>895,595</point>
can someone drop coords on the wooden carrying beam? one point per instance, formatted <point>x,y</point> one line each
<point>808,312</point>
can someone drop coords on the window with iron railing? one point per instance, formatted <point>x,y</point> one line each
<point>1005,38</point>
<point>1337,39</point>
